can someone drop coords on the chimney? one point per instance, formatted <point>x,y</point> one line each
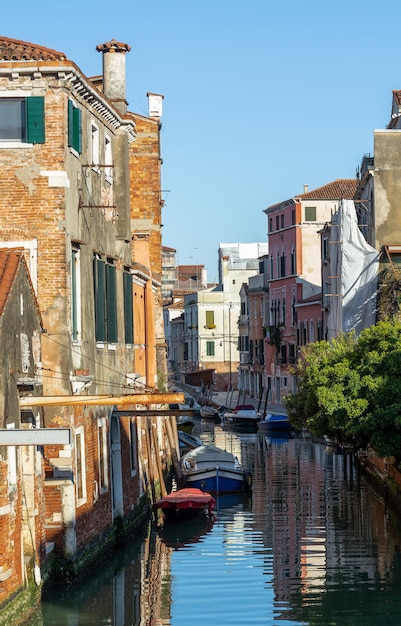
<point>306,188</point>
<point>114,72</point>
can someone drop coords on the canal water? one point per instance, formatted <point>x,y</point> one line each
<point>311,545</point>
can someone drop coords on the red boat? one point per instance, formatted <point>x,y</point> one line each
<point>186,503</point>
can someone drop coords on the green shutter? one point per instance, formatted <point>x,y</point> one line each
<point>74,127</point>
<point>310,214</point>
<point>70,123</point>
<point>128,310</point>
<point>111,303</point>
<point>35,119</point>
<point>100,299</point>
<point>77,130</point>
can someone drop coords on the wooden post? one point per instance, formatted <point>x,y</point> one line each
<point>158,462</point>
<point>150,468</point>
<point>173,449</point>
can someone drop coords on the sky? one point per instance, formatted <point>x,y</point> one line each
<point>260,97</point>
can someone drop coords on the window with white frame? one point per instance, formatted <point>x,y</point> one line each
<point>108,159</point>
<point>95,145</point>
<point>102,455</point>
<point>80,472</point>
<point>75,292</point>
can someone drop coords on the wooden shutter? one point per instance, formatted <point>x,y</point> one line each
<point>128,311</point>
<point>35,119</point>
<point>111,303</point>
<point>100,299</point>
<point>74,127</point>
<point>210,319</point>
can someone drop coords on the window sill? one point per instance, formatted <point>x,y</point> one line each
<point>15,144</point>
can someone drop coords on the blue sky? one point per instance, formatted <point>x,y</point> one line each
<point>260,97</point>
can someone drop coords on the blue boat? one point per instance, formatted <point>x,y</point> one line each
<point>274,421</point>
<point>214,470</point>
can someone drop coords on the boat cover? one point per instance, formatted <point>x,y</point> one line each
<point>209,454</point>
<point>189,498</point>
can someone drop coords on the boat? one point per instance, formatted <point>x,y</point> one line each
<point>242,415</point>
<point>214,470</point>
<point>185,504</point>
<point>210,413</point>
<point>274,421</point>
<point>187,441</point>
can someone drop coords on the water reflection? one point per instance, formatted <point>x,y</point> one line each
<point>312,544</point>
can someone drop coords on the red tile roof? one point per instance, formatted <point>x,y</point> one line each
<point>17,50</point>
<point>339,189</point>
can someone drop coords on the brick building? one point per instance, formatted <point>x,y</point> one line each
<point>80,196</point>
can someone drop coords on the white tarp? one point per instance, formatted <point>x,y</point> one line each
<point>357,264</point>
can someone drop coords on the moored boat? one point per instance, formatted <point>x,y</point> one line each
<point>188,441</point>
<point>185,504</point>
<point>210,413</point>
<point>214,470</point>
<point>242,415</point>
<point>274,421</point>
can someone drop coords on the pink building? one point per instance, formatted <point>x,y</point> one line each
<point>295,283</point>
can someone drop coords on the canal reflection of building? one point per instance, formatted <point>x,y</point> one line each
<point>320,525</point>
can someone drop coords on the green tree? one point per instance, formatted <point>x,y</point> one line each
<point>349,389</point>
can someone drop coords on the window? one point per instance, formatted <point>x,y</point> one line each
<point>74,127</point>
<point>102,452</point>
<point>293,262</point>
<point>104,275</point>
<point>271,267</point>
<point>210,348</point>
<point>128,307</point>
<point>325,248</point>
<point>277,222</point>
<point>310,214</point>
<point>108,158</point>
<point>282,220</point>
<point>22,119</point>
<point>293,312</point>
<point>282,264</point>
<point>293,217</point>
<point>94,145</point>
<point>210,319</point>
<point>270,224</point>
<point>80,475</point>
<point>75,293</point>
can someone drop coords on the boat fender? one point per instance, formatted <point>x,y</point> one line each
<point>248,481</point>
